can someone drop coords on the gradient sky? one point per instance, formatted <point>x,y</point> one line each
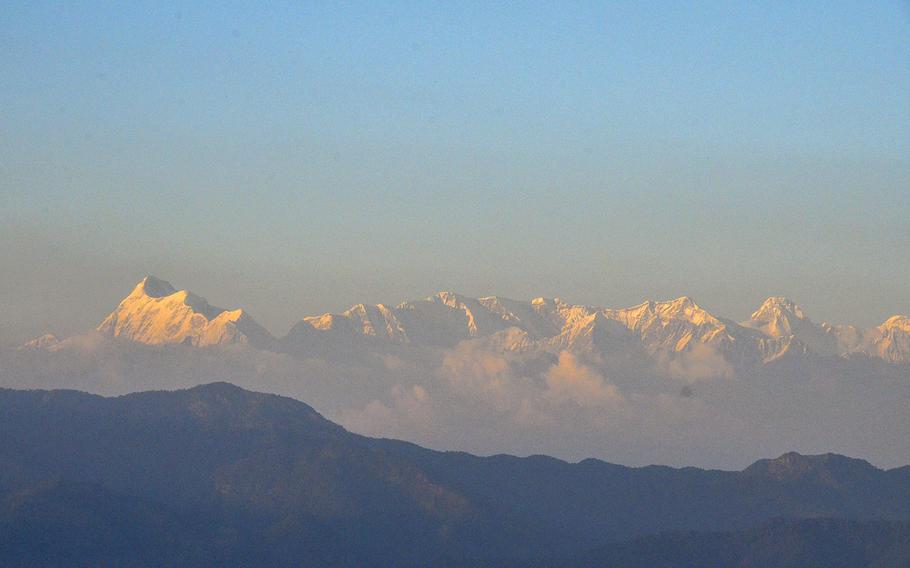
<point>294,160</point>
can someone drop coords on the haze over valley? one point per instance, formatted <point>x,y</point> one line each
<point>661,382</point>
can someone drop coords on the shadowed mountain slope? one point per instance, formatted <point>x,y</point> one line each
<point>247,478</point>
<point>782,543</point>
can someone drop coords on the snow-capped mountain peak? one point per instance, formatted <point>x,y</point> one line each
<point>777,316</point>
<point>157,313</point>
<point>899,322</point>
<point>153,287</point>
<point>47,341</point>
<point>646,314</point>
<point>685,308</point>
<point>890,340</point>
<point>781,318</point>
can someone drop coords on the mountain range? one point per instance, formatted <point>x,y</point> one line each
<point>665,382</point>
<point>156,313</point>
<point>217,475</point>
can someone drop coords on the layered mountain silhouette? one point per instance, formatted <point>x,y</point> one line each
<point>157,313</point>
<point>216,475</point>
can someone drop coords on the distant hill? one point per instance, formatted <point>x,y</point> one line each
<point>783,543</point>
<point>222,476</point>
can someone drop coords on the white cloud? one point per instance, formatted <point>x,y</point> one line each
<point>475,372</point>
<point>570,380</point>
<point>409,411</point>
<point>699,363</point>
<point>572,406</point>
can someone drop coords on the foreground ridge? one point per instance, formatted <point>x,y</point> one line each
<point>183,468</point>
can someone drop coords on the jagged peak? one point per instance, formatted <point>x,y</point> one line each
<point>197,303</point>
<point>154,287</point>
<point>646,306</point>
<point>680,305</point>
<point>156,313</point>
<point>233,315</point>
<point>681,302</point>
<point>900,322</point>
<point>776,306</point>
<point>358,309</point>
<point>365,310</point>
<point>549,304</point>
<point>506,308</point>
<point>779,316</point>
<point>46,341</point>
<point>448,297</point>
<point>323,320</point>
<point>157,289</point>
<point>683,307</point>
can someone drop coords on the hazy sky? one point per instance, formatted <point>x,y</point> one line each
<point>299,159</point>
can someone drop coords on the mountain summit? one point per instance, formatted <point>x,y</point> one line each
<point>777,316</point>
<point>829,469</point>
<point>891,340</point>
<point>446,318</point>
<point>156,313</point>
<point>783,319</point>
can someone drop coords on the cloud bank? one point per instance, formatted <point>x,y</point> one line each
<point>692,410</point>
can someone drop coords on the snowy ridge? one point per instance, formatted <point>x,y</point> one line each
<point>156,313</point>
<point>778,328</point>
<point>890,341</point>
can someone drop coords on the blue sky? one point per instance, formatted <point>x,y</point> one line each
<point>295,159</point>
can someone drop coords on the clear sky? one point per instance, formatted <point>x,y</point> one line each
<point>297,159</point>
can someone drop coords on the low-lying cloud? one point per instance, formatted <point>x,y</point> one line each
<point>700,362</point>
<point>570,380</point>
<point>473,398</point>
